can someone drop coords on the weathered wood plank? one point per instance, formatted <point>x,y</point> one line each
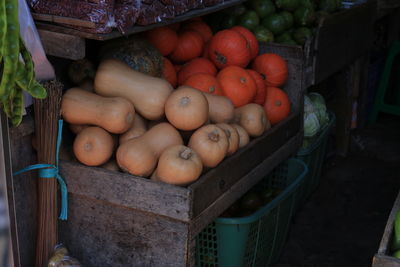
<point>101,234</point>
<point>62,45</point>
<point>218,180</point>
<point>22,192</point>
<point>125,190</point>
<point>64,20</point>
<point>385,261</point>
<point>244,184</point>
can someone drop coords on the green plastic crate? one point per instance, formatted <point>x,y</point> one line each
<point>314,156</point>
<point>258,239</point>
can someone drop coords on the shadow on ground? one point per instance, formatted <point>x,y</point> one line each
<point>342,222</point>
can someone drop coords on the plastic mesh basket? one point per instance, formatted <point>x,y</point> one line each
<point>314,156</point>
<point>258,239</point>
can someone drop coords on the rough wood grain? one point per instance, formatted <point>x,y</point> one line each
<point>244,184</point>
<point>125,190</point>
<point>62,45</point>
<point>24,188</point>
<point>101,234</point>
<point>220,179</point>
<point>64,20</point>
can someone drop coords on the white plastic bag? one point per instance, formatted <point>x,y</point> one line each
<point>30,36</point>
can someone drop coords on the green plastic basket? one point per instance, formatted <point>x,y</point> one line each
<point>314,156</point>
<point>258,239</point>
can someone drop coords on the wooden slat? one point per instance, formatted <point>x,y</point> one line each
<point>64,20</point>
<point>136,28</point>
<point>101,234</point>
<point>242,186</point>
<point>385,261</point>
<point>218,180</point>
<point>62,45</point>
<point>125,190</point>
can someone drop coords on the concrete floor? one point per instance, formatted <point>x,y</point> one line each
<point>343,221</point>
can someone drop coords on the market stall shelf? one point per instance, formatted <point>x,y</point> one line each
<point>117,219</point>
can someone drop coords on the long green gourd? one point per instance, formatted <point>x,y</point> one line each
<point>16,76</point>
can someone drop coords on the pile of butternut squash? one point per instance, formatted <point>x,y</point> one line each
<point>140,124</point>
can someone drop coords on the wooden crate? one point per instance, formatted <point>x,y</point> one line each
<point>116,219</point>
<point>383,258</point>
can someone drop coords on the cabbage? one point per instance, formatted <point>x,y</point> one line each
<point>320,108</point>
<point>311,122</point>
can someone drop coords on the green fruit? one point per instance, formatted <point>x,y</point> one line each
<point>304,16</point>
<point>275,23</point>
<point>249,19</point>
<point>301,35</point>
<point>263,34</point>
<point>286,36</point>
<point>329,6</point>
<point>263,8</point>
<point>289,5</point>
<point>228,21</point>
<point>288,19</point>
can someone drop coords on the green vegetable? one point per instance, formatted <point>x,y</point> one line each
<point>300,35</point>
<point>275,23</point>
<point>263,8</point>
<point>304,16</point>
<point>289,5</point>
<point>311,122</point>
<point>288,19</point>
<point>396,232</point>
<point>320,108</point>
<point>17,76</point>
<point>396,254</point>
<point>17,106</point>
<point>263,34</point>
<point>249,19</point>
<point>286,36</point>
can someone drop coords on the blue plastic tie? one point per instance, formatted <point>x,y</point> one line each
<point>51,171</point>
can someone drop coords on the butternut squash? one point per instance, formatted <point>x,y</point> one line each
<point>111,165</point>
<point>77,128</point>
<point>139,156</point>
<point>148,94</point>
<point>178,165</point>
<point>93,146</point>
<point>139,127</point>
<point>244,137</point>
<point>186,108</point>
<point>252,118</point>
<point>210,143</point>
<point>220,108</point>
<point>114,114</point>
<point>232,135</point>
